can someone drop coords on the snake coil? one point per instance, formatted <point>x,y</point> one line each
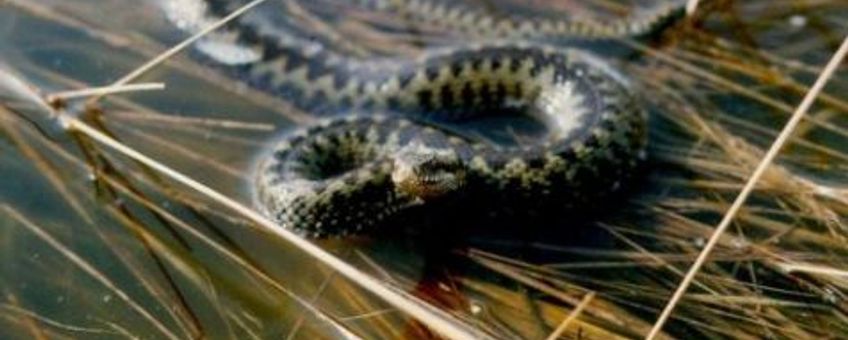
<point>391,143</point>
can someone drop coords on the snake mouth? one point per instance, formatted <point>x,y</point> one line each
<point>438,178</point>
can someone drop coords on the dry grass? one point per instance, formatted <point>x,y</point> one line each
<point>123,250</point>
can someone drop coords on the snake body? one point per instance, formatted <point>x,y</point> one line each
<point>453,16</point>
<point>394,146</point>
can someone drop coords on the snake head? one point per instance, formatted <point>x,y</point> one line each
<point>427,173</point>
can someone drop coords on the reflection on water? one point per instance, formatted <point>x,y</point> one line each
<point>96,246</point>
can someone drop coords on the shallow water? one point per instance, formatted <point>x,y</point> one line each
<point>93,245</point>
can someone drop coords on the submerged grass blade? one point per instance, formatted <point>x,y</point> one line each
<point>89,269</point>
<point>28,314</point>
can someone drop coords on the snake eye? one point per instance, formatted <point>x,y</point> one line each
<point>427,173</point>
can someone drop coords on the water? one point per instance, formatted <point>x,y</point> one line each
<point>96,246</point>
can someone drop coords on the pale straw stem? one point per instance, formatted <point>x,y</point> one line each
<point>571,316</point>
<point>691,6</point>
<point>106,90</point>
<point>811,269</point>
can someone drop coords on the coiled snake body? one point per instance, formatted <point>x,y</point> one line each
<point>392,148</point>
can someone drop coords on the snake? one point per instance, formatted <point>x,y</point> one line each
<point>391,137</point>
<point>453,16</point>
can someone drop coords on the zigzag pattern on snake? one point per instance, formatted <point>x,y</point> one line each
<point>391,144</point>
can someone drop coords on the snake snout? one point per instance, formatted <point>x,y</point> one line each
<point>427,172</point>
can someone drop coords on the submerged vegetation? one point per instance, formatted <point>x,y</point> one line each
<point>96,244</point>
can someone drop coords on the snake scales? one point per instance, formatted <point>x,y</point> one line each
<point>394,146</point>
